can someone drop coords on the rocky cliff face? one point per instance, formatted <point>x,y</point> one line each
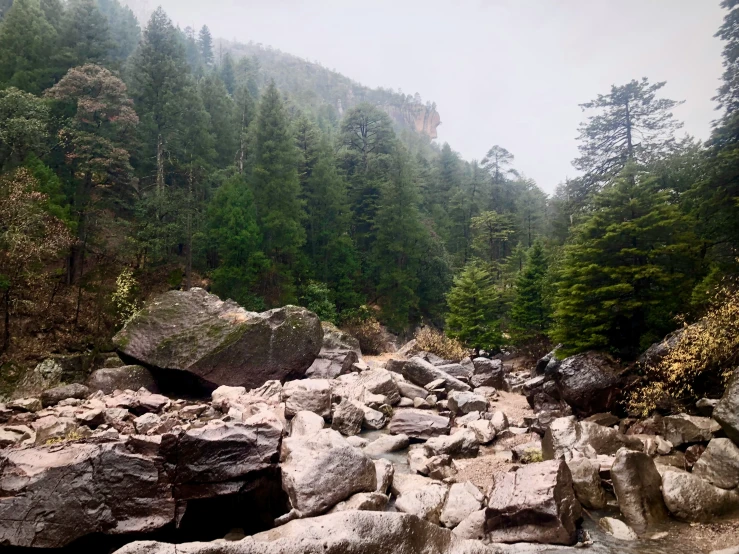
<point>423,118</point>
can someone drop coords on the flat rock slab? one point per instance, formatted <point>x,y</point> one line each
<point>419,424</point>
<point>220,343</point>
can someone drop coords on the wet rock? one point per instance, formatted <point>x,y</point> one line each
<point>690,498</point>
<point>589,382</point>
<point>425,502</point>
<point>418,424</point>
<point>129,377</point>
<point>686,429</point>
<point>311,395</point>
<point>463,500</point>
<point>51,397</point>
<point>637,483</point>
<point>466,402</point>
<point>462,444</point>
<point>726,412</point>
<point>534,504</point>
<point>220,343</point>
<point>362,501</point>
<point>420,372</point>
<point>586,482</point>
<point>719,464</point>
<point>384,471</point>
<point>617,528</point>
<point>321,470</point>
<point>348,417</point>
<point>488,373</point>
<point>386,444</point>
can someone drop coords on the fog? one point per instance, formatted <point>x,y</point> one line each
<point>508,72</point>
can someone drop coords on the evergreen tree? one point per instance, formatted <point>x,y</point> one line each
<point>228,73</point>
<point>497,163</point>
<point>192,51</point>
<point>24,127</point>
<point>205,45</point>
<point>244,113</point>
<point>530,314</point>
<point>276,190</point>
<point>474,309</point>
<point>85,33</point>
<point>220,107</point>
<point>125,32</point>
<point>628,270</point>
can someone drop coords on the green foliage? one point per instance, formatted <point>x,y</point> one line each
<point>125,32</point>
<point>205,44</point>
<point>530,313</point>
<point>317,298</point>
<point>24,121</point>
<point>475,309</point>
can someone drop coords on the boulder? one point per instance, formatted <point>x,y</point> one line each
<point>566,437</point>
<point>146,422</point>
<point>466,402</point>
<point>331,363</point>
<point>321,470</point>
<point>463,500</point>
<point>686,429</point>
<point>409,390</point>
<point>690,498</point>
<point>31,405</point>
<point>420,372</point>
<point>656,352</point>
<point>52,428</point>
<point>14,434</point>
<point>462,444</point>
<point>219,343</point>
<point>425,502</point>
<point>589,382</point>
<point>637,483</point>
<point>384,471</point>
<point>727,410</point>
<point>488,373</point>
<point>53,396</point>
<point>380,382</point>
<point>419,424</point>
<point>547,362</point>
<point>373,419</point>
<point>362,501</point>
<point>348,417</point>
<point>617,528</point>
<point>310,395</point>
<point>128,377</point>
<point>484,430</point>
<point>460,371</point>
<point>305,423</point>
<point>719,464</point>
<point>386,444</point>
<point>586,482</point>
<point>534,504</point>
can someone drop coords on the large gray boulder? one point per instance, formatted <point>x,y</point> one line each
<point>340,533</point>
<point>128,377</point>
<point>690,498</point>
<point>589,382</point>
<point>339,352</point>
<point>587,484</point>
<point>51,397</point>
<point>312,395</point>
<point>636,483</point>
<point>321,470</point>
<point>534,504</point>
<point>685,429</point>
<point>419,424</point>
<point>719,464</point>
<point>727,410</point>
<point>220,343</point>
<point>420,372</point>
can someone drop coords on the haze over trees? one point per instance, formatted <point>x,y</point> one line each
<point>183,161</point>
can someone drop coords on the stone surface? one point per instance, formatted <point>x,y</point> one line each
<point>52,428</point>
<point>686,429</point>
<point>425,502</point>
<point>373,419</point>
<point>220,343</point>
<point>146,422</point>
<point>463,499</point>
<point>420,372</point>
<point>386,444</point>
<point>690,498</point>
<point>348,417</point>
<point>362,501</point>
<point>311,395</point>
<point>484,430</point>
<point>617,528</point>
<point>534,504</point>
<point>719,464</point>
<point>466,402</point>
<point>586,482</point>
<point>726,412</point>
<point>409,390</point>
<point>384,472</point>
<point>419,424</point>
<point>567,437</point>
<point>462,444</point>
<point>589,382</point>
<point>128,377</point>
<point>637,484</point>
<point>488,373</point>
<point>321,470</point>
<point>51,397</point>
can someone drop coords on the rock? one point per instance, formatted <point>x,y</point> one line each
<point>730,550</point>
<point>51,428</point>
<point>606,419</point>
<point>420,372</point>
<point>726,412</point>
<point>604,440</point>
<point>406,482</point>
<point>488,373</point>
<point>463,500</point>
<point>386,444</point>
<point>693,454</point>
<point>362,501</point>
<point>690,498</point>
<point>586,482</point>
<point>411,391</point>
<point>51,397</point>
<point>220,343</point>
<point>462,444</point>
<point>617,529</point>
<point>147,422</point>
<point>484,430</point>
<point>380,381</point>
<point>466,402</point>
<point>418,424</point>
<point>26,405</point>
<point>566,436</point>
<point>436,384</point>
<point>543,363</point>
<point>357,442</point>
<point>637,483</point>
<point>425,503</point>
<point>373,419</point>
<point>311,395</point>
<point>65,493</point>
<point>460,371</point>
<point>384,471</point>
<point>499,421</point>
<point>331,363</point>
<point>589,382</point>
<point>705,406</point>
<point>534,504</point>
<point>656,352</point>
<point>685,429</point>
<point>129,377</point>
<point>348,417</point>
<point>719,464</point>
<point>472,527</point>
<point>421,404</point>
<point>146,402</point>
<point>14,434</point>
<point>418,460</point>
<point>321,470</point>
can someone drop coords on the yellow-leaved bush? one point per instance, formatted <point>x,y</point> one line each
<point>702,360</point>
<point>436,342</point>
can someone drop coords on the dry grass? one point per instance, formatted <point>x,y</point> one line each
<point>436,342</point>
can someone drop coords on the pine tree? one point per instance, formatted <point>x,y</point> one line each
<point>192,51</point>
<point>125,32</point>
<point>228,73</point>
<point>205,44</point>
<point>628,270</point>
<point>244,113</point>
<point>220,107</point>
<point>474,309</point>
<point>85,33</point>
<point>530,313</point>
<point>276,190</point>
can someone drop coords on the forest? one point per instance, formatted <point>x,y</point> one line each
<point>136,159</point>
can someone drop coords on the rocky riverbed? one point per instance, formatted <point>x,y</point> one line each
<point>336,454</point>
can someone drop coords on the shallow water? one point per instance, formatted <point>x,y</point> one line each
<point>398,458</point>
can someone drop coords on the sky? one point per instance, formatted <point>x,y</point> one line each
<point>506,72</point>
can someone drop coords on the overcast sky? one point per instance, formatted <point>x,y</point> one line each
<point>507,72</point>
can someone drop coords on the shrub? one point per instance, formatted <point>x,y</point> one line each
<point>532,456</point>
<point>124,296</point>
<point>436,342</point>
<point>700,362</point>
<point>372,336</point>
